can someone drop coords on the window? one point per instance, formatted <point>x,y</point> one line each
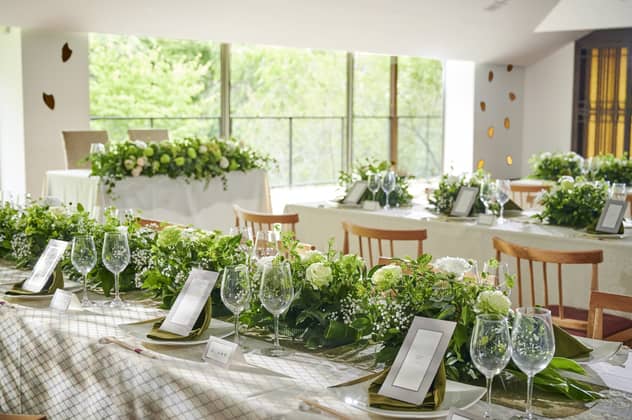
<point>603,93</point>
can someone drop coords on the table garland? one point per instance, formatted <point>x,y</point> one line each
<point>361,171</point>
<point>443,198</point>
<point>610,168</point>
<point>552,166</point>
<point>189,158</point>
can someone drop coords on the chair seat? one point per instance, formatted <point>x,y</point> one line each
<point>612,324</point>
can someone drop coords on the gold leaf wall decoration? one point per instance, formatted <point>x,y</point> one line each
<point>480,164</point>
<point>49,100</point>
<point>66,52</point>
<point>509,67</point>
<point>509,160</point>
<point>483,106</point>
<point>512,96</point>
<point>490,132</point>
<point>507,123</point>
<point>490,76</point>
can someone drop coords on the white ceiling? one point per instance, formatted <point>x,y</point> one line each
<point>495,31</point>
<point>573,15</point>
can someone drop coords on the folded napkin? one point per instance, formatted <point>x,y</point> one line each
<point>568,346</point>
<point>201,325</point>
<point>55,281</point>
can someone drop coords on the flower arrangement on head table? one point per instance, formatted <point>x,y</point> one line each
<point>361,171</point>
<point>189,158</point>
<point>443,198</point>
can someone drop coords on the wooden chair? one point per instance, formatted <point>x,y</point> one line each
<point>153,224</point>
<point>152,135</point>
<point>524,195</point>
<point>77,146</point>
<point>22,417</point>
<point>573,319</point>
<point>380,235</point>
<point>264,221</point>
<point>607,326</point>
<point>629,197</point>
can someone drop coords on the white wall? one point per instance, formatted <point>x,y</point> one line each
<point>505,142</point>
<point>44,71</point>
<point>458,117</point>
<point>548,108</point>
<point>12,176</point>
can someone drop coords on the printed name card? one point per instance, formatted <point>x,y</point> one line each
<point>45,266</point>
<point>190,302</point>
<point>62,300</point>
<point>486,219</point>
<point>464,201</point>
<point>418,360</point>
<point>611,216</point>
<point>455,414</point>
<point>222,352</point>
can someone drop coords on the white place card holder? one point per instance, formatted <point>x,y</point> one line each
<point>486,219</point>
<point>464,201</point>
<point>356,192</point>
<point>63,300</point>
<point>222,352</point>
<point>418,360</point>
<point>611,216</point>
<point>190,302</point>
<point>45,266</point>
<point>370,205</point>
<point>456,414</point>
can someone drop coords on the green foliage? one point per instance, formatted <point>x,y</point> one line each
<point>575,204</point>
<point>361,171</point>
<point>449,185</point>
<point>609,168</point>
<point>199,159</point>
<point>552,166</point>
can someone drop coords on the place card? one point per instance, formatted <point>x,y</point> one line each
<point>190,301</point>
<point>611,216</point>
<point>418,360</point>
<point>456,414</point>
<point>464,201</point>
<point>222,352</point>
<point>45,266</point>
<point>485,219</point>
<point>370,205</point>
<point>62,300</point>
<point>356,192</point>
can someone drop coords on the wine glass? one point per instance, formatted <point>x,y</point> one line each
<point>490,349</point>
<point>84,257</point>
<point>115,257</point>
<point>503,192</point>
<point>266,244</point>
<point>245,241</point>
<point>236,292</point>
<point>97,148</point>
<point>375,183</point>
<point>486,194</point>
<point>276,295</point>
<point>618,191</point>
<point>388,185</point>
<point>533,345</point>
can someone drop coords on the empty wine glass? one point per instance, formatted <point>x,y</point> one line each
<point>618,192</point>
<point>236,292</point>
<point>486,194</point>
<point>494,272</point>
<point>115,257</point>
<point>533,345</point>
<point>375,183</point>
<point>97,148</point>
<point>276,295</point>
<point>84,257</point>
<point>245,242</point>
<point>490,349</point>
<point>503,192</point>
<point>388,186</point>
<point>266,244</point>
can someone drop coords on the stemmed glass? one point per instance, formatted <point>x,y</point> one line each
<point>618,191</point>
<point>116,256</point>
<point>490,349</point>
<point>486,195</point>
<point>266,244</point>
<point>375,183</point>
<point>84,258</point>
<point>245,242</point>
<point>236,292</point>
<point>388,186</point>
<point>533,345</point>
<point>276,295</point>
<point>503,192</point>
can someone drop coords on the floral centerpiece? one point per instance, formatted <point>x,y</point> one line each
<point>552,166</point>
<point>189,158</point>
<point>399,197</point>
<point>612,169</point>
<point>444,196</point>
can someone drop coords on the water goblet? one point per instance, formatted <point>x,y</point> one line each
<point>245,241</point>
<point>266,244</point>
<point>236,292</point>
<point>116,257</point>
<point>276,295</point>
<point>84,257</point>
<point>618,191</point>
<point>503,192</point>
<point>490,349</point>
<point>375,183</point>
<point>486,194</point>
<point>388,186</point>
<point>533,345</point>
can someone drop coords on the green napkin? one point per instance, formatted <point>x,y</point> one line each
<point>55,281</point>
<point>568,346</point>
<point>201,325</point>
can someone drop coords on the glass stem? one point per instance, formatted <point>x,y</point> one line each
<point>85,288</point>
<point>276,330</point>
<point>116,287</point>
<point>386,205</point>
<point>488,412</point>
<point>529,396</point>
<point>237,327</point>
<point>502,211</point>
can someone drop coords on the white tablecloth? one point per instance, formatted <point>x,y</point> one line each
<point>319,222</point>
<point>165,199</point>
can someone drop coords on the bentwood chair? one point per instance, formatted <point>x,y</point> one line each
<point>77,146</point>
<point>380,236</point>
<point>257,221</point>
<point>22,417</point>
<point>525,195</point>
<point>575,320</point>
<point>152,135</point>
<point>608,326</point>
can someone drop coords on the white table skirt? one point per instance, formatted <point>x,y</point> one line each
<point>319,222</point>
<point>165,199</point>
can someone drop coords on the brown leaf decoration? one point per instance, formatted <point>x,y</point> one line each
<point>509,67</point>
<point>507,123</point>
<point>480,164</point>
<point>66,52</point>
<point>483,106</point>
<point>49,100</point>
<point>509,160</point>
<point>512,96</point>
<point>490,132</point>
<point>490,76</point>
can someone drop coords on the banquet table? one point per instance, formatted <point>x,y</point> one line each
<point>166,199</point>
<point>463,237</point>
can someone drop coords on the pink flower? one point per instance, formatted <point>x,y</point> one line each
<point>137,170</point>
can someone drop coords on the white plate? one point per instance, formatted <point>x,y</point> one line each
<point>602,350</point>
<point>457,395</point>
<point>69,285</point>
<point>217,328</point>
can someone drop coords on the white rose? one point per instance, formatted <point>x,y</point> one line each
<point>387,277</point>
<point>318,275</point>
<point>202,149</point>
<point>137,170</point>
<point>458,266</point>
<point>493,302</point>
<point>140,144</point>
<point>224,163</point>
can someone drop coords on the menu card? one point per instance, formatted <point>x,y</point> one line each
<point>45,266</point>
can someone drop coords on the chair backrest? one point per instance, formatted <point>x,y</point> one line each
<point>600,301</point>
<point>77,146</point>
<point>153,224</point>
<point>531,255</point>
<point>524,195</point>
<point>629,196</point>
<point>380,235</point>
<point>151,135</point>
<point>256,221</point>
